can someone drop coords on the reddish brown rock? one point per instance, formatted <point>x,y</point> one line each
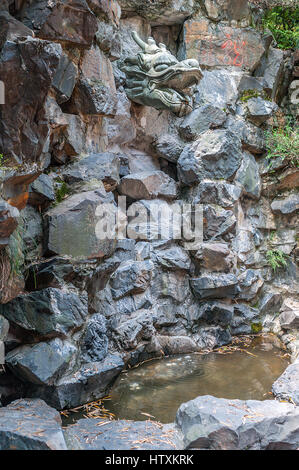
<point>221,45</point>
<point>70,21</point>
<point>95,92</point>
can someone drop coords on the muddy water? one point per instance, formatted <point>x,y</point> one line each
<point>159,387</point>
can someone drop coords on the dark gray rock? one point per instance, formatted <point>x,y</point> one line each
<point>168,146</point>
<point>286,206</point>
<point>94,341</point>
<point>218,223</point>
<point>244,319</point>
<point>250,282</point>
<point>41,363</point>
<point>252,137</point>
<point>172,258</point>
<point>260,110</point>
<point>216,313</point>
<point>41,191</point>
<point>272,69</point>
<point>215,286</point>
<point>215,154</point>
<point>216,192</point>
<point>30,425</point>
<point>75,220</point>
<point>286,387</point>
<point>148,185</point>
<point>50,273</point>
<point>200,120</point>
<point>89,383</point>
<point>98,166</point>
<point>212,337</point>
<point>127,334</point>
<point>248,177</point>
<point>131,277</point>
<point>217,423</point>
<point>219,88</point>
<point>48,312</point>
<point>65,78</point>
<point>121,435</point>
<point>270,303</point>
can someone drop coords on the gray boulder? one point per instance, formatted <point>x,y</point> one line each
<point>148,185</point>
<point>4,327</point>
<point>172,258</point>
<point>260,110</point>
<point>41,191</point>
<point>71,226</point>
<point>89,383</point>
<point>252,137</point>
<point>216,313</point>
<point>248,177</point>
<point>131,277</point>
<point>97,166</point>
<point>286,387</point>
<point>30,425</point>
<point>41,363</point>
<point>215,154</point>
<point>212,337</point>
<point>215,257</point>
<point>244,319</point>
<point>286,206</point>
<point>272,69</point>
<point>200,120</point>
<point>216,192</point>
<point>219,424</point>
<point>95,342</point>
<point>8,221</point>
<point>215,286</point>
<point>121,435</point>
<point>48,312</point>
<point>168,146</point>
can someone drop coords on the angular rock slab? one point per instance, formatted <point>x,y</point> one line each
<point>69,21</point>
<point>86,434</point>
<point>28,67</point>
<point>215,286</point>
<point>48,312</point>
<point>89,383</point>
<point>248,177</point>
<point>30,425</point>
<point>72,226</point>
<point>131,277</point>
<point>215,154</point>
<point>217,423</point>
<point>41,363</point>
<point>286,387</point>
<point>97,166</point>
<point>148,185</point>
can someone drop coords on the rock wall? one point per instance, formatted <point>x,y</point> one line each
<point>81,309</point>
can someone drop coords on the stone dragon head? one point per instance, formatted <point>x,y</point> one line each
<point>156,78</point>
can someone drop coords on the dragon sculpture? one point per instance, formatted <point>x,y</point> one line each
<point>156,78</point>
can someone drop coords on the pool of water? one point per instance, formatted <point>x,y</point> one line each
<point>157,388</point>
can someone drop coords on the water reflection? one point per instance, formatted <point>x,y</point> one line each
<point>159,387</point>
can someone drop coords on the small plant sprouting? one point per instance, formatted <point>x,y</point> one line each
<point>62,191</point>
<point>283,143</point>
<point>276,259</point>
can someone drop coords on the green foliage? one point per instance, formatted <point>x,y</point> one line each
<point>283,143</point>
<point>283,22</point>
<point>276,259</point>
<point>248,94</point>
<point>256,327</point>
<point>61,191</point>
